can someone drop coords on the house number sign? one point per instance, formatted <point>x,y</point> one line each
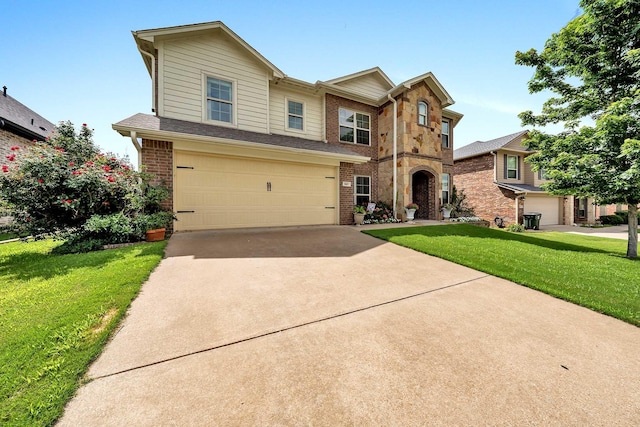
<point>346,183</point>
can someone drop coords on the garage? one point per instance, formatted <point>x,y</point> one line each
<point>218,191</point>
<point>549,207</point>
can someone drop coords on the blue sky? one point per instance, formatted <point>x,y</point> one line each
<point>73,60</point>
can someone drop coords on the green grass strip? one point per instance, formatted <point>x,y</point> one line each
<point>590,271</point>
<point>56,314</point>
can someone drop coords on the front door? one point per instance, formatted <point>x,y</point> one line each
<point>420,189</point>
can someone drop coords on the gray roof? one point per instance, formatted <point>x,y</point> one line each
<point>521,187</point>
<point>21,120</point>
<point>482,147</point>
<point>149,122</point>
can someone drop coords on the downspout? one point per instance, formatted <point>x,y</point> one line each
<point>495,166</point>
<point>134,139</point>
<point>521,196</point>
<point>395,154</point>
<point>153,78</point>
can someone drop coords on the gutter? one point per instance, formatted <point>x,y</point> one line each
<point>395,154</point>
<point>153,77</point>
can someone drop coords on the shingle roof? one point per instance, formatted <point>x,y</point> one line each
<point>22,119</point>
<point>482,147</point>
<point>149,122</point>
<point>521,187</point>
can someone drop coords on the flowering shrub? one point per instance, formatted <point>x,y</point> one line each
<point>465,219</point>
<point>382,213</point>
<point>66,184</point>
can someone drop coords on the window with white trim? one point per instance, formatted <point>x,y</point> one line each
<point>444,179</point>
<point>219,100</point>
<point>445,133</point>
<point>362,194</point>
<point>295,115</point>
<point>512,167</point>
<point>423,113</point>
<point>582,208</point>
<point>355,127</point>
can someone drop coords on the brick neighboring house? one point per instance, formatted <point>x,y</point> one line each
<point>241,144</point>
<point>19,125</point>
<point>498,182</point>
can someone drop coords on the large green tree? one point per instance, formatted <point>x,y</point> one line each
<point>592,67</point>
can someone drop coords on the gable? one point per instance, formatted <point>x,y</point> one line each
<point>516,144</point>
<point>372,85</point>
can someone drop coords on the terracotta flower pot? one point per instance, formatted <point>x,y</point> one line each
<point>155,235</point>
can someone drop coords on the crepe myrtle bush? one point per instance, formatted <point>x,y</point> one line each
<point>64,184</point>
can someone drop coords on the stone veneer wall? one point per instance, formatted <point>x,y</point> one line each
<point>333,105</point>
<point>475,176</point>
<point>157,157</point>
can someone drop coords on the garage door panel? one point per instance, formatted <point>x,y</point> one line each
<point>228,192</point>
<point>549,207</point>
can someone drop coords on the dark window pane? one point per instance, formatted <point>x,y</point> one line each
<point>346,134</point>
<point>219,111</point>
<point>445,141</point>
<point>295,108</point>
<point>363,137</point>
<point>363,121</point>
<point>219,89</point>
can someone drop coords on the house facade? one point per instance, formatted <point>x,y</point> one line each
<point>19,125</point>
<point>499,183</point>
<point>241,144</point>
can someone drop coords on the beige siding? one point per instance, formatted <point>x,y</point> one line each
<point>184,63</point>
<point>500,167</point>
<point>370,85</point>
<point>278,113</point>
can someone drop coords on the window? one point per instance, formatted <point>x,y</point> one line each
<point>511,167</point>
<point>445,133</point>
<point>423,113</point>
<point>295,111</point>
<point>542,174</point>
<point>582,208</point>
<point>354,127</point>
<point>363,190</point>
<point>219,100</point>
<point>445,187</point>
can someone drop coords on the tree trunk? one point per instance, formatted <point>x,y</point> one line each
<point>632,244</point>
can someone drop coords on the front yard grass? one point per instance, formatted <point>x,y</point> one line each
<point>56,313</point>
<point>589,271</point>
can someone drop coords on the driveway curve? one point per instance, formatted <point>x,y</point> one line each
<point>328,326</point>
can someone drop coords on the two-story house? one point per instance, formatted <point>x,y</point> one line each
<point>241,144</point>
<point>498,182</point>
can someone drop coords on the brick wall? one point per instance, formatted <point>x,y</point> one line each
<point>475,176</point>
<point>157,158</point>
<point>332,123</point>
<point>8,140</point>
<point>346,194</point>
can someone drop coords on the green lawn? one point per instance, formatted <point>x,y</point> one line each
<point>589,271</point>
<point>56,313</point>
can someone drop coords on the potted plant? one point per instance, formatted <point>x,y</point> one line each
<point>446,210</point>
<point>358,214</point>
<point>410,210</point>
<point>154,226</point>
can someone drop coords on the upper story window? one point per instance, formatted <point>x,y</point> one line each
<point>445,134</point>
<point>423,113</point>
<point>512,167</point>
<point>355,127</point>
<point>219,100</point>
<point>542,174</point>
<point>295,115</point>
<point>445,188</point>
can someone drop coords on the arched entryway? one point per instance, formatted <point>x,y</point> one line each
<point>423,189</point>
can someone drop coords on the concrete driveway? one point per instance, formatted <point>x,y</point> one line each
<point>327,326</point>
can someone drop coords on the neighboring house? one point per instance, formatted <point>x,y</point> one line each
<point>498,182</point>
<point>19,125</point>
<point>241,144</point>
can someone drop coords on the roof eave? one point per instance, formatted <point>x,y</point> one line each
<point>159,134</point>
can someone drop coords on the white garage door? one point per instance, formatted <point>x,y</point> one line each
<point>549,207</point>
<point>212,191</point>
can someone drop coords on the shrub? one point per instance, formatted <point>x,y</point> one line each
<point>612,220</point>
<point>458,204</point>
<point>382,213</point>
<point>517,228</point>
<point>114,228</point>
<point>78,244</point>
